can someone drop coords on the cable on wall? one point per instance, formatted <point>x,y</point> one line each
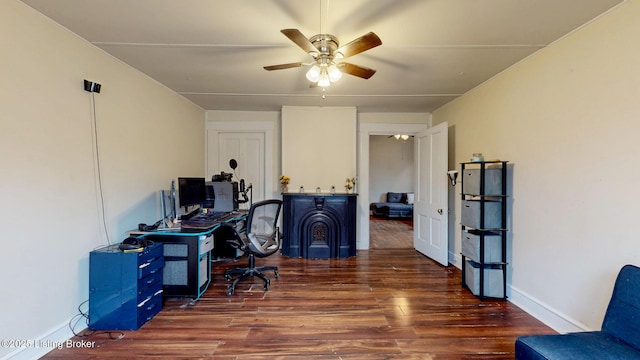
<point>94,88</point>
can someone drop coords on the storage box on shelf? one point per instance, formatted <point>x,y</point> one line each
<point>492,284</point>
<point>492,181</point>
<point>492,246</point>
<point>484,222</point>
<point>473,212</point>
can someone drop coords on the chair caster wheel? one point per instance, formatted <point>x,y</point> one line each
<point>276,273</point>
<point>230,291</point>
<point>227,278</point>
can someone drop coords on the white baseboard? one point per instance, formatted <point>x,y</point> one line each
<point>539,310</point>
<point>38,347</point>
<point>455,260</point>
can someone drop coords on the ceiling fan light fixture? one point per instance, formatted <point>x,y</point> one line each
<point>334,73</point>
<point>313,74</point>
<point>401,136</point>
<point>324,80</point>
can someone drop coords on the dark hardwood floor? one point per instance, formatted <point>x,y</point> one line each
<point>381,304</point>
<point>390,233</point>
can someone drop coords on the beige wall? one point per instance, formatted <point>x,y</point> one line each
<point>147,135</point>
<point>318,147</point>
<point>567,119</point>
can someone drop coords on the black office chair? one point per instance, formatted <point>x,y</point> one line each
<point>261,238</point>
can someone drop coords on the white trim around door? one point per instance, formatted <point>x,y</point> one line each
<point>364,131</point>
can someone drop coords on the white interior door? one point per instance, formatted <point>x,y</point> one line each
<point>430,215</point>
<point>248,150</point>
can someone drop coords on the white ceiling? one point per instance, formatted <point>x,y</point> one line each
<point>213,51</point>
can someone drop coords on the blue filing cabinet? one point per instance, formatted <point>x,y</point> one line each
<point>125,288</point>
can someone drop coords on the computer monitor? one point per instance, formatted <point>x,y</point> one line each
<point>168,205</point>
<point>210,197</point>
<point>191,191</point>
<point>225,195</point>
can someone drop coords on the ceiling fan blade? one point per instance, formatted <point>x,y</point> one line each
<point>283,66</point>
<point>356,70</point>
<point>359,45</point>
<point>299,39</point>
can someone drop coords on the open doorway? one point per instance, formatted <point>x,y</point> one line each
<point>365,131</point>
<point>391,184</point>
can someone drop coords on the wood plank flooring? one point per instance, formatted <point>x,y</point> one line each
<point>381,304</point>
<point>390,233</point>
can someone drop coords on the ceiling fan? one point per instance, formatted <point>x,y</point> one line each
<point>327,54</point>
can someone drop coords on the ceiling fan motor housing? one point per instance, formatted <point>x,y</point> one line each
<point>326,44</point>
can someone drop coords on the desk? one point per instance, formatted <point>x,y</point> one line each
<point>187,257</point>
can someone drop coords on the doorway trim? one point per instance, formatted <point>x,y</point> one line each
<point>213,130</point>
<point>364,131</point>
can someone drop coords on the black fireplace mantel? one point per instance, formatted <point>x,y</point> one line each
<point>319,226</point>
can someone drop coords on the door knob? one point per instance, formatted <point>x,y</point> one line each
<point>440,211</point>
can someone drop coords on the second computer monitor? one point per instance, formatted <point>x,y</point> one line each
<point>223,195</point>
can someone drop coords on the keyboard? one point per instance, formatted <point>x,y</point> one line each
<point>206,221</point>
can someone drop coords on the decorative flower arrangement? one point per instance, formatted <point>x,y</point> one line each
<point>350,184</point>
<point>284,182</point>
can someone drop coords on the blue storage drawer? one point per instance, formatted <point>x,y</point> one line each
<point>151,262</point>
<point>125,288</point>
<point>149,287</point>
<point>150,306</point>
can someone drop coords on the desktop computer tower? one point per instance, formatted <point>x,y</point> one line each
<point>221,195</point>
